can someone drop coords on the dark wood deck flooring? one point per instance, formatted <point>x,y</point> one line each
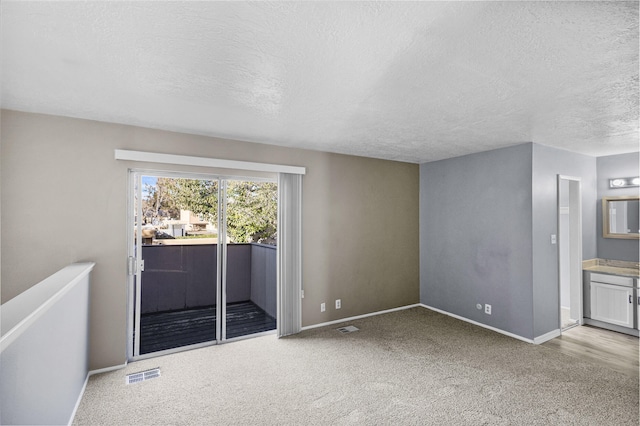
<point>168,330</point>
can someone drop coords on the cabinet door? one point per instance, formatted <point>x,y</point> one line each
<point>612,304</point>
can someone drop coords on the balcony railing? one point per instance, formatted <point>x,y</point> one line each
<point>182,278</point>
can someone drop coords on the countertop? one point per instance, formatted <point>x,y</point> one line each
<point>613,267</point>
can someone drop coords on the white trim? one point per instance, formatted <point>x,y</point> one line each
<point>132,241</point>
<point>84,387</point>
<point>401,308</point>
<point>579,252</point>
<point>185,160</point>
<point>569,177</point>
<point>16,308</point>
<point>107,369</point>
<point>80,395</point>
<point>203,175</point>
<point>547,336</point>
<point>575,248</point>
<point>497,330</point>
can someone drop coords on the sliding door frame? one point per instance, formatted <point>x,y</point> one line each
<point>291,284</point>
<point>134,278</point>
<point>221,323</point>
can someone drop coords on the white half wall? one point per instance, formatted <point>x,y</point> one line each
<point>44,358</point>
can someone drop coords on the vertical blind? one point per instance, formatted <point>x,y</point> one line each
<point>289,253</point>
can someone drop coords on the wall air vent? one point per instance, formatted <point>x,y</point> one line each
<point>142,376</point>
<point>347,329</point>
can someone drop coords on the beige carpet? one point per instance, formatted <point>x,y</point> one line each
<point>414,367</point>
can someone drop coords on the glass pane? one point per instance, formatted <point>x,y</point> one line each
<point>179,250</point>
<point>624,217</point>
<point>251,257</point>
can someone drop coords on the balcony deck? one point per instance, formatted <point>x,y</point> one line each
<point>168,330</point>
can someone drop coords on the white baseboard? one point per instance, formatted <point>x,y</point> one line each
<point>547,336</point>
<point>538,340</point>
<point>75,408</point>
<point>401,308</point>
<point>84,386</point>
<point>497,330</point>
<point>107,369</point>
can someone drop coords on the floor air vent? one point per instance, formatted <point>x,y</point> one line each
<point>347,329</point>
<point>142,376</point>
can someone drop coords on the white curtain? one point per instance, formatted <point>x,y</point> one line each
<point>289,253</point>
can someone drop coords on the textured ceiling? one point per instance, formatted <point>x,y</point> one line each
<point>409,81</point>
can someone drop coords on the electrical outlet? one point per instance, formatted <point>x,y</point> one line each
<point>323,307</point>
<point>487,309</point>
<point>338,303</point>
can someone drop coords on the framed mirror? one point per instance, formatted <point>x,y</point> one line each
<point>621,217</point>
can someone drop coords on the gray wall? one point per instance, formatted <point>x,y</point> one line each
<point>475,237</point>
<point>485,226</point>
<point>613,166</point>
<point>64,200</point>
<point>548,163</point>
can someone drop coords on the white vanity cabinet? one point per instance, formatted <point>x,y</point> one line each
<point>612,301</point>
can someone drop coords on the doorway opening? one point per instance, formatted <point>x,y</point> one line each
<point>203,260</point>
<point>569,252</point>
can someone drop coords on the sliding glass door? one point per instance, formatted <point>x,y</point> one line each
<point>250,253</point>
<point>202,262</point>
